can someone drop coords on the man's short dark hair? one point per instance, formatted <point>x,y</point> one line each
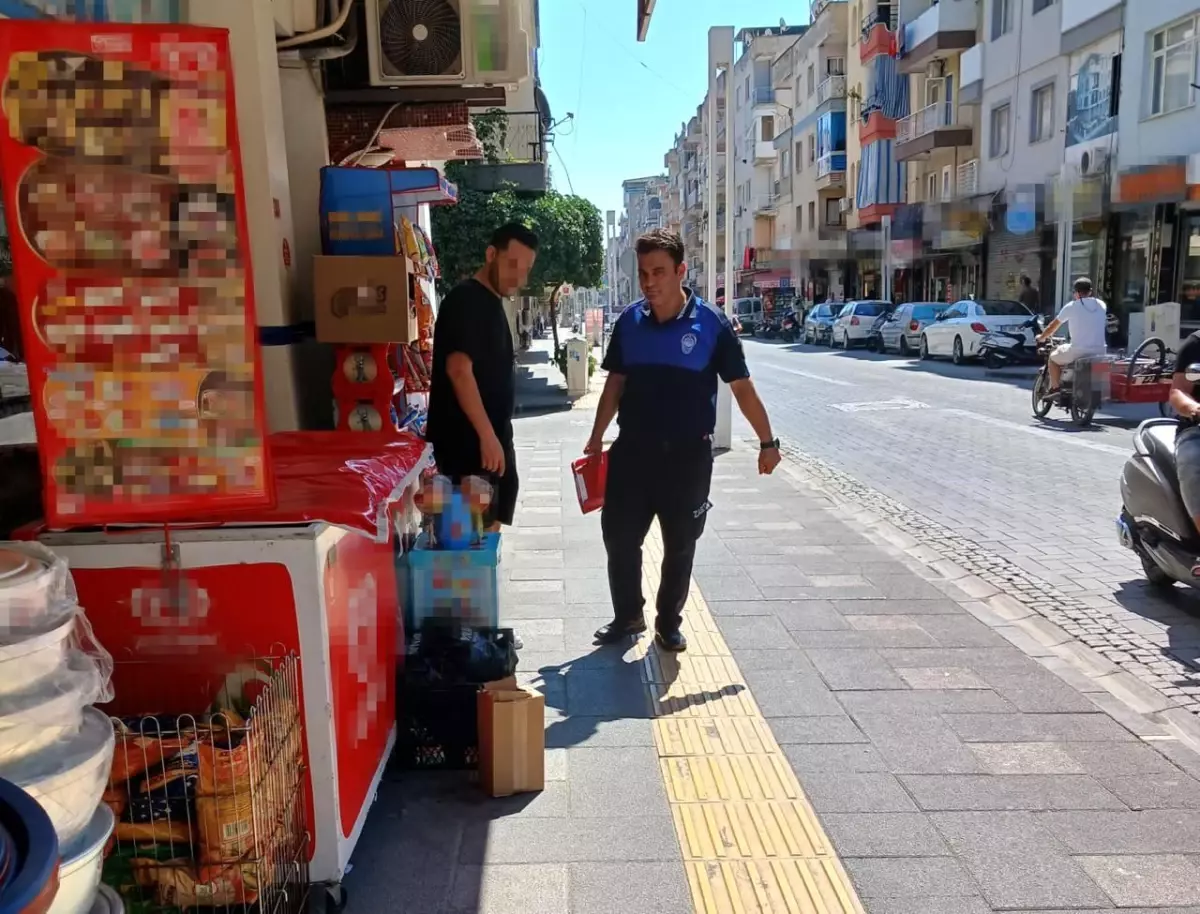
<point>1026,280</point>
<point>661,240</point>
<point>513,231</point>
<point>1083,285</point>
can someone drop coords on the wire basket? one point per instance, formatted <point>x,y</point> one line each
<point>211,808</point>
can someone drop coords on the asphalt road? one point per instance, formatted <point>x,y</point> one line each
<point>959,447</point>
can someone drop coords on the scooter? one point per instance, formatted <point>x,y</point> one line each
<point>1081,389</point>
<point>999,348</point>
<point>1153,521</point>
<point>789,327</point>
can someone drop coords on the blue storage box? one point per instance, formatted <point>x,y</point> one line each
<point>461,585</point>
<point>358,206</point>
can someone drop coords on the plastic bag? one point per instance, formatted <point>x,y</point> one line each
<point>179,883</point>
<point>226,826</point>
<point>50,709</point>
<point>142,745</point>
<point>451,654</point>
<point>35,585</point>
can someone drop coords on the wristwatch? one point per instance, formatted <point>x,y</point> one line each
<point>772,445</point>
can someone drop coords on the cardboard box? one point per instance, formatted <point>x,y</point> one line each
<point>512,739</point>
<point>363,300</point>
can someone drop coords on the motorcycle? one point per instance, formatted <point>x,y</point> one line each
<point>999,348</point>
<point>789,326</point>
<point>1080,393</point>
<point>1153,522</point>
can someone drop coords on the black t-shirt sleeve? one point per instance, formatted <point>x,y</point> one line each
<point>729,359</point>
<point>614,358</point>
<point>1189,354</point>
<point>455,330</point>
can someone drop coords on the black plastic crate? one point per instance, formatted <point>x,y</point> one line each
<point>437,727</point>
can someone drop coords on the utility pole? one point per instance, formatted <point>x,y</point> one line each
<point>720,59</point>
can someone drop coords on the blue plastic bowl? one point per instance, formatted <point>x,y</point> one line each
<point>34,848</point>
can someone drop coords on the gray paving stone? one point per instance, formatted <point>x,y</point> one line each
<point>1153,831</point>
<point>821,730</point>
<point>789,659</point>
<point>899,834</point>
<point>940,678</point>
<point>1027,758</point>
<point>764,632</point>
<point>854,758</point>
<point>617,782</point>
<point>984,792</point>
<point>903,586</point>
<point>607,888</point>
<point>912,877</point>
<point>855,669</point>
<point>776,576</point>
<point>648,837</point>
<point>1015,863</point>
<point>917,744</point>
<point>599,732</point>
<point>809,615</point>
<point>1145,880</point>
<point>963,631</point>
<point>955,905</point>
<point>924,701</point>
<point>531,888</point>
<point>936,606</point>
<point>606,693</point>
<point>971,658</point>
<point>1155,791</point>
<point>1038,691</point>
<point>786,694</point>
<point>840,792</point>
<point>726,589</point>
<point>1119,759</point>
<point>855,638</point>
<point>1035,728</point>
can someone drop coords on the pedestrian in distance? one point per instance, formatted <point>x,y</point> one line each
<point>472,385</point>
<point>1029,296</point>
<point>664,359</point>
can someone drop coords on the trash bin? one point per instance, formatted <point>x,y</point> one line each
<point>577,367</point>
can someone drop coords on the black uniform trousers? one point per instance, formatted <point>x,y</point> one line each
<point>650,479</point>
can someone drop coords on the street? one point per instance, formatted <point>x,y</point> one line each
<point>953,456</point>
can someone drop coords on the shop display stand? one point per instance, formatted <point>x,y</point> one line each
<point>366,388</point>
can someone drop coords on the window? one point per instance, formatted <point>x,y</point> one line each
<point>931,187</point>
<point>812,80</point>
<point>833,211</point>
<point>947,183</point>
<point>785,162</point>
<point>1039,5</point>
<point>999,140</point>
<point>812,214</point>
<point>835,66</point>
<point>1041,114</point>
<point>1002,17</point>
<point>1001,308</point>
<point>1172,67</point>
<point>799,157</point>
<point>768,128</point>
<point>812,148</point>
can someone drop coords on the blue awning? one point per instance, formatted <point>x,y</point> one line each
<point>881,178</point>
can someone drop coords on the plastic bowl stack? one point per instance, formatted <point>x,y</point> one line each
<point>54,744</point>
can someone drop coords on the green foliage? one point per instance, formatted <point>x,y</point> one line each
<point>491,128</point>
<point>560,359</point>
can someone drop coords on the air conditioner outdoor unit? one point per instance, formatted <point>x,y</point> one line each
<point>295,17</point>
<point>446,43</point>
<point>1094,161</point>
<point>845,204</point>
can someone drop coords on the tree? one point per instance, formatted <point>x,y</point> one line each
<point>569,229</point>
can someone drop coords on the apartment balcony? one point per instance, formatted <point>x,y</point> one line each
<point>762,96</point>
<point>970,76</point>
<point>878,126</point>
<point>933,127</point>
<point>831,231</point>
<point>943,30</point>
<point>764,152</point>
<point>831,170</point>
<point>830,92</point>
<point>966,179</point>
<point>766,205</point>
<point>514,148</point>
<point>818,7</point>
<point>877,34</point>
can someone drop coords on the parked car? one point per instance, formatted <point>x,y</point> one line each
<point>854,322</point>
<point>818,323</point>
<point>957,331</point>
<point>901,332</point>
<point>750,312</point>
<point>875,336</point>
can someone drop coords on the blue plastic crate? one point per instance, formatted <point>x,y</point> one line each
<point>459,585</point>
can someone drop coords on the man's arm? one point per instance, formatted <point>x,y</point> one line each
<point>1049,331</point>
<point>1181,388</point>
<point>614,386</point>
<point>752,408</point>
<point>731,367</point>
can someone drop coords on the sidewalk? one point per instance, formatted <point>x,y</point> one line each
<point>843,711</point>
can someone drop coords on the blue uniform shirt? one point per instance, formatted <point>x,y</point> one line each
<point>671,369</point>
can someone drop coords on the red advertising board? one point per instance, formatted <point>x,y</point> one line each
<point>123,196</point>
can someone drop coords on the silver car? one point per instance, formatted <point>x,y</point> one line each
<point>902,332</point>
<point>818,323</point>
<point>853,325</point>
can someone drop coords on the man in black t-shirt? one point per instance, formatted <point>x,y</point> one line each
<point>472,384</point>
<point>1185,398</point>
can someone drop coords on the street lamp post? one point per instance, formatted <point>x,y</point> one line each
<point>720,59</point>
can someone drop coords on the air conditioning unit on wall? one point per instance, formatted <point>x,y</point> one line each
<point>447,42</point>
<point>1093,161</point>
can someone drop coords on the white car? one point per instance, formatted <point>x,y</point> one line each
<point>956,332</point>
<point>854,323</point>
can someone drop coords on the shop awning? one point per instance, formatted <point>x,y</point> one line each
<point>774,280</point>
<point>645,9</point>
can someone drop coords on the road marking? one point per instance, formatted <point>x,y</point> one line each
<point>751,841</point>
<point>1051,434</point>
<point>811,376</point>
<point>871,406</point>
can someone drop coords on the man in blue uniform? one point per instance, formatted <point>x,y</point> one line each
<point>665,356</point>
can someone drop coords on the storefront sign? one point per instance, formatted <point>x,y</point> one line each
<point>1157,184</point>
<point>123,197</point>
<point>1155,261</point>
<point>1108,262</point>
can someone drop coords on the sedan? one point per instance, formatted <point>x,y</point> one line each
<point>853,325</point>
<point>818,324</point>
<point>901,332</point>
<point>956,332</point>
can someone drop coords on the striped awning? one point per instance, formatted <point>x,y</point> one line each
<point>881,179</point>
<point>887,89</point>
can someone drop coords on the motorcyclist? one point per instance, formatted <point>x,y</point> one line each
<point>1086,317</point>
<point>1185,398</point>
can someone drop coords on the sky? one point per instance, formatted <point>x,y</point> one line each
<point>630,99</point>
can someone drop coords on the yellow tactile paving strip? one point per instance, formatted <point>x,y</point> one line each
<point>751,842</point>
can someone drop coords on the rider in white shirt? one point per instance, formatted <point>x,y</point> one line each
<point>1087,319</point>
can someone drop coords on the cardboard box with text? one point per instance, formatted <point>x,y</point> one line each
<point>512,739</point>
<point>363,300</point>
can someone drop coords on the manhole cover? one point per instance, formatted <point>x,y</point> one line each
<point>879,405</point>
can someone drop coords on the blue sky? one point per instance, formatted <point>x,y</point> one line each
<point>629,99</point>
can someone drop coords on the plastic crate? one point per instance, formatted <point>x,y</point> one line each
<point>437,728</point>
<point>459,585</point>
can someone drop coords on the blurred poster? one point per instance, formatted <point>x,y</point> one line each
<point>123,199</point>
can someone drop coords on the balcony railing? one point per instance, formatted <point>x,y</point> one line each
<point>511,136</point>
<point>884,14</point>
<point>766,203</point>
<point>831,87</point>
<point>831,164</point>
<point>818,7</point>
<point>930,118</point>
<point>967,178</point>
<point>762,95</point>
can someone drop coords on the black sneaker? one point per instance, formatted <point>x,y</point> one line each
<point>619,631</point>
<point>674,642</point>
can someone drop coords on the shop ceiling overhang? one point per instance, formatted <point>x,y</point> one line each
<point>645,9</point>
